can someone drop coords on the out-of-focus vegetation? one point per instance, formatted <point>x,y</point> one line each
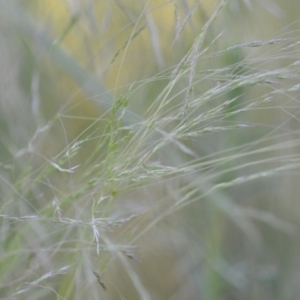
<point>149,149</point>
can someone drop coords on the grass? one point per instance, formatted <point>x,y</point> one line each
<point>178,182</point>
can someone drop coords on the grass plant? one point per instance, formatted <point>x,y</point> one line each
<point>180,183</point>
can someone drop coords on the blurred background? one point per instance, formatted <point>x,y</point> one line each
<point>149,149</point>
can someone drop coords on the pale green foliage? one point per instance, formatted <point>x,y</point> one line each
<point>192,196</point>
